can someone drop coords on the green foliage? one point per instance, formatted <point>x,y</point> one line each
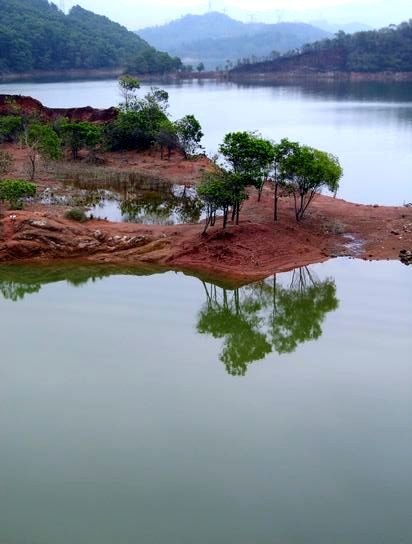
<point>41,140</point>
<point>35,35</point>
<point>44,140</point>
<point>221,190</point>
<point>128,86</point>
<point>14,191</point>
<point>11,127</point>
<point>6,160</point>
<point>265,317</point>
<point>189,132</point>
<point>200,67</point>
<point>79,135</point>
<point>250,156</point>
<point>386,50</point>
<point>76,214</point>
<point>139,125</point>
<point>150,61</point>
<point>305,171</point>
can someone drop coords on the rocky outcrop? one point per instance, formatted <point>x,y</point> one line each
<point>25,105</point>
<point>406,256</point>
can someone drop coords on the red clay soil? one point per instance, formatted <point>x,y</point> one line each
<point>16,104</point>
<point>253,250</point>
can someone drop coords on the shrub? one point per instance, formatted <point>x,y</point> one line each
<point>6,161</point>
<point>15,190</point>
<point>11,126</point>
<point>76,214</point>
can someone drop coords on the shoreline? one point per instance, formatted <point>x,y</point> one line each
<point>221,76</point>
<point>253,250</point>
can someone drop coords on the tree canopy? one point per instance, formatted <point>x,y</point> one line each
<point>386,50</point>
<point>35,35</point>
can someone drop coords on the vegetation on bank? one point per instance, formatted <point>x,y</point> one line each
<point>385,50</point>
<point>251,161</point>
<point>248,159</point>
<point>36,35</point>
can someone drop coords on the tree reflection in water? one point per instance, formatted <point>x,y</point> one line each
<point>252,321</point>
<point>265,317</point>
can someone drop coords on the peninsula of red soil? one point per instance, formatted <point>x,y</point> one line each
<point>255,249</point>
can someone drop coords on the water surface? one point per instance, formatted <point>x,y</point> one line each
<point>156,407</point>
<point>367,125</point>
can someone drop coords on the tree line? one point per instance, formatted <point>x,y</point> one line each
<point>386,50</point>
<point>142,123</point>
<point>36,35</point>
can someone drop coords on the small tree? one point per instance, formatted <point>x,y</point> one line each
<point>221,190</point>
<point>282,151</point>
<point>41,141</point>
<point>6,160</point>
<point>190,134</point>
<point>128,85</point>
<point>11,127</point>
<point>79,135</point>
<point>250,156</point>
<point>14,190</point>
<point>305,172</point>
<point>167,138</point>
<point>200,67</point>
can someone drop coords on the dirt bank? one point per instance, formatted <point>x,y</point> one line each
<point>11,104</point>
<point>253,250</point>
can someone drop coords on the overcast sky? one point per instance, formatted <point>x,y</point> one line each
<point>137,14</point>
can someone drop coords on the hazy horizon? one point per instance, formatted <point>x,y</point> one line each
<point>137,14</point>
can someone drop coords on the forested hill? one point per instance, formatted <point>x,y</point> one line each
<point>385,50</point>
<point>214,38</point>
<point>35,35</point>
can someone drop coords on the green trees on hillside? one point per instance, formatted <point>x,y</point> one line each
<point>385,50</point>
<point>35,35</point>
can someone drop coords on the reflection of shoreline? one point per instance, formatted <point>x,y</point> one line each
<point>276,314</point>
<point>263,317</point>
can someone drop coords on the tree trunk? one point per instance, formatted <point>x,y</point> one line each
<point>276,200</point>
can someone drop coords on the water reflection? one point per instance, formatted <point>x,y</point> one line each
<point>268,316</point>
<point>129,197</point>
<point>277,314</point>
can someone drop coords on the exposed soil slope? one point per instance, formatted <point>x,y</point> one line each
<point>254,249</point>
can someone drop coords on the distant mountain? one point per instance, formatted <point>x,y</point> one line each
<point>35,35</point>
<point>215,38</point>
<point>385,50</point>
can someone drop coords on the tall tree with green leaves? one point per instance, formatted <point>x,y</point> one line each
<point>190,135</point>
<point>305,171</point>
<point>128,85</point>
<point>79,135</point>
<point>41,141</point>
<point>250,156</point>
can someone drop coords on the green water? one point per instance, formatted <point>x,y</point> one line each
<point>156,407</point>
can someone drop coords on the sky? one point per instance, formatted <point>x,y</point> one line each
<point>135,14</point>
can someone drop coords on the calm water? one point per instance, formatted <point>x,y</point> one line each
<point>368,126</point>
<point>159,408</point>
<point>155,407</point>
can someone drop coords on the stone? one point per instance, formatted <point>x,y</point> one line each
<point>405,256</point>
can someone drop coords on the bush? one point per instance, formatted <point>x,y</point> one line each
<point>15,190</point>
<point>6,161</point>
<point>76,214</point>
<point>11,126</point>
